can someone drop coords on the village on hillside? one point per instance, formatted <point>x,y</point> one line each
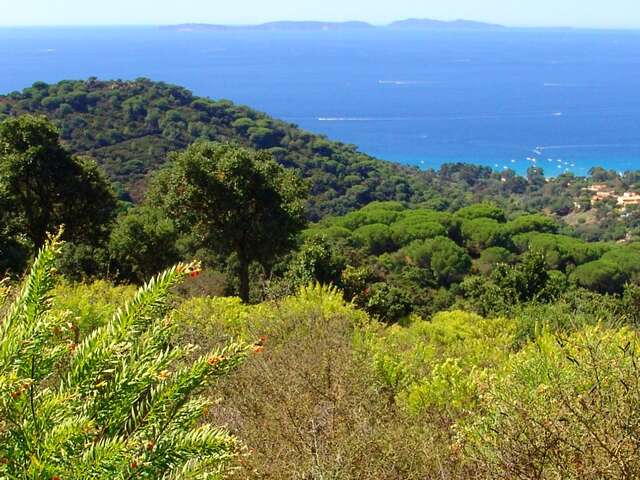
<point>602,191</point>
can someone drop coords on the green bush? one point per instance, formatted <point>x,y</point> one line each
<point>566,407</point>
<point>90,306</point>
<point>440,365</point>
<point>118,404</point>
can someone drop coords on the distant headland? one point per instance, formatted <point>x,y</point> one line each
<point>408,24</point>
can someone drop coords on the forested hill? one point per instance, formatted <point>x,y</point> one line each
<point>130,127</point>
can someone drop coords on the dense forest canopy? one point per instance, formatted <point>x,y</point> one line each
<point>130,127</point>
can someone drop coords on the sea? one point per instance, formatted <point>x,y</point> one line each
<point>565,100</point>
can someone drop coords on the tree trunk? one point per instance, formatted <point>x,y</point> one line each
<point>244,280</point>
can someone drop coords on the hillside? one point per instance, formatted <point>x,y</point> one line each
<point>129,127</point>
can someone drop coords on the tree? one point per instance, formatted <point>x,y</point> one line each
<point>493,256</point>
<point>143,242</point>
<point>376,238</point>
<point>532,223</point>
<point>482,233</point>
<point>449,262</point>
<point>42,186</point>
<point>535,177</point>
<point>441,256</point>
<point>405,233</point>
<point>124,402</point>
<point>234,200</point>
<point>482,210</point>
<point>600,275</point>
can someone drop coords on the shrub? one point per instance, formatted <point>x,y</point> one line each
<point>90,305</point>
<point>439,366</point>
<point>309,396</point>
<point>120,404</point>
<point>566,408</point>
<point>387,303</point>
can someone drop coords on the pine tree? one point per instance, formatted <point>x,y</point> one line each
<point>122,403</point>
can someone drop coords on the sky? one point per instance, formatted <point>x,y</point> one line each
<point>575,13</point>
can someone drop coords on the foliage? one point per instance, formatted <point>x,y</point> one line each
<point>375,238</point>
<point>90,305</point>
<point>509,286</point>
<point>561,251</point>
<point>308,396</point>
<point>566,408</point>
<point>234,200</point>
<point>482,210</point>
<point>121,403</point>
<point>429,256</point>
<point>143,242</point>
<point>611,272</point>
<point>42,186</point>
<point>387,303</point>
<point>493,256</point>
<point>440,365</point>
<point>482,233</point>
<point>317,261</point>
<point>337,393</point>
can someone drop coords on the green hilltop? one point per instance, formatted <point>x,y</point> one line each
<point>129,127</point>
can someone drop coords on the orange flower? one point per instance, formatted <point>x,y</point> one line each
<point>194,274</point>
<point>258,349</point>
<point>213,361</point>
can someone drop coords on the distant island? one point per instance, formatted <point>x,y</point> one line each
<point>428,24</point>
<point>408,24</point>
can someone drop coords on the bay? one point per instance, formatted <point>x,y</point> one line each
<point>566,100</point>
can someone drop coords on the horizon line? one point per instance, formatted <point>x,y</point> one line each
<point>378,25</point>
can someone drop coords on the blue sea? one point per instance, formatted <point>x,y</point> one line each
<point>563,99</point>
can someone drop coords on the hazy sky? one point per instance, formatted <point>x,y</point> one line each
<point>581,13</point>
